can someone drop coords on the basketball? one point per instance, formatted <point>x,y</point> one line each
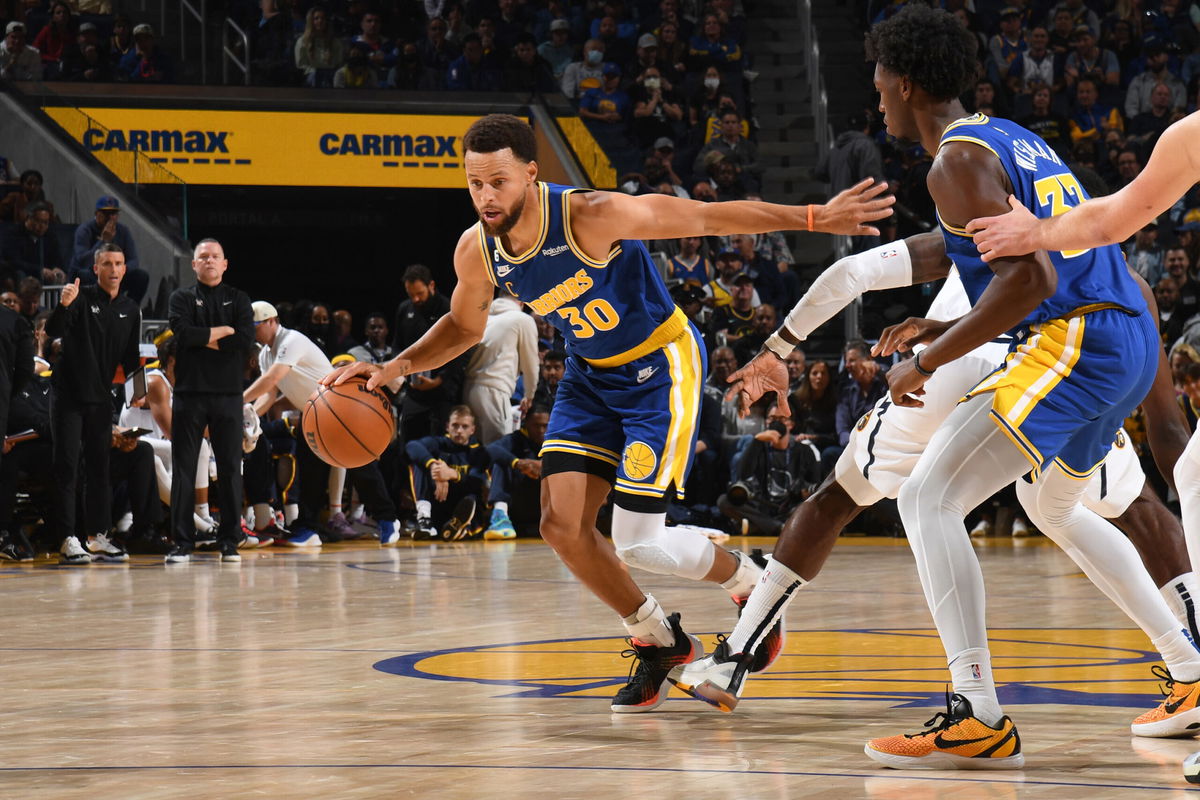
<point>348,425</point>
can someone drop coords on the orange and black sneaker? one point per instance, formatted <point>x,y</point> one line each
<point>648,686</point>
<point>953,739</point>
<point>1176,715</point>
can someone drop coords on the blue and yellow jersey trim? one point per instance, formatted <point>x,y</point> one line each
<point>569,235</point>
<point>580,449</point>
<point>671,329</point>
<point>543,229</point>
<point>488,269</point>
<point>970,140</point>
<point>952,229</point>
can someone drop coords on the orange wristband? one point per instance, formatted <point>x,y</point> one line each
<point>810,218</point>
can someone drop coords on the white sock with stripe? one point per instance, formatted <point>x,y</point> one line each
<point>1182,593</point>
<point>775,590</point>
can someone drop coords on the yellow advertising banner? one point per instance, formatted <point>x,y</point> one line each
<point>274,148</point>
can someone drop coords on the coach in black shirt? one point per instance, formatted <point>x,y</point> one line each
<point>214,330</point>
<point>99,327</point>
<point>16,359</point>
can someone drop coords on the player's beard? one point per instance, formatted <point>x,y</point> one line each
<point>511,218</point>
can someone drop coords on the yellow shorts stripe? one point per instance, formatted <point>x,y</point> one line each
<point>1060,344</point>
<point>1076,474</point>
<point>671,329</point>
<point>683,360</point>
<point>583,445</point>
<point>1014,434</point>
<point>579,451</point>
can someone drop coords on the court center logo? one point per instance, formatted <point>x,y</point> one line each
<point>639,461</point>
<point>1089,667</point>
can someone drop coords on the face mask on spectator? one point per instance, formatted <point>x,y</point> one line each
<point>594,57</point>
<point>712,83</point>
<point>652,83</point>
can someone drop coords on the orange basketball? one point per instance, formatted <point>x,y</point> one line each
<point>348,425</point>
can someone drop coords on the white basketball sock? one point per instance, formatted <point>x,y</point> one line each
<point>424,508</point>
<point>1179,655</point>
<point>971,672</point>
<point>1182,593</point>
<point>776,587</point>
<point>501,506</point>
<point>649,625</point>
<point>290,512</point>
<point>262,516</point>
<point>202,509</point>
<point>743,580</point>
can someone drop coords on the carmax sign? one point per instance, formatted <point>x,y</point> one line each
<point>272,148</point>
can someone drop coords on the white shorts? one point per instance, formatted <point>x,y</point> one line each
<point>888,441</point>
<point>1118,482</point>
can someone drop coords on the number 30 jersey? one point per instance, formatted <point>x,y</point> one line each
<point>1044,185</point>
<point>610,312</point>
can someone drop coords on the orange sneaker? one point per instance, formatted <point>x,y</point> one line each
<point>1176,715</point>
<point>954,739</point>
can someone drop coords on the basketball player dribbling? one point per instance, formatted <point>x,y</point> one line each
<point>1085,353</point>
<point>625,415</point>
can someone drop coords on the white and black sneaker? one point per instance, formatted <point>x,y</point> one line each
<point>424,530</point>
<point>717,679</point>
<point>105,549</point>
<point>72,552</point>
<point>179,554</point>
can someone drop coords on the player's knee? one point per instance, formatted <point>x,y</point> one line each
<point>648,556</point>
<point>558,530</point>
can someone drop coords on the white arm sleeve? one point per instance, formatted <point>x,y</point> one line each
<point>886,267</point>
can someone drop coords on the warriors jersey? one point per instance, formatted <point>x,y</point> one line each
<point>1043,184</point>
<point>610,312</point>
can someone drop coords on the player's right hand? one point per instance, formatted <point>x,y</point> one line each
<point>903,336</point>
<point>69,293</point>
<point>1006,234</point>
<point>344,373</point>
<point>851,209</point>
<point>765,373</point>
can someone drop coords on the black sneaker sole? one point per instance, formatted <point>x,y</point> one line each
<point>460,520</point>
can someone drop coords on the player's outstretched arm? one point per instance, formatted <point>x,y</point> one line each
<point>450,336</point>
<point>967,182</point>
<point>1173,168</point>
<point>656,216</point>
<point>1167,430</point>
<point>916,259</point>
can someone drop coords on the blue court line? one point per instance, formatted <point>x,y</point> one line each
<point>890,775</point>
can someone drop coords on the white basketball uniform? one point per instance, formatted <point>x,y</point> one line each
<point>888,440</point>
<point>144,418</point>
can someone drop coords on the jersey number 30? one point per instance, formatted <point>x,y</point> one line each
<point>598,315</point>
<point>1059,194</point>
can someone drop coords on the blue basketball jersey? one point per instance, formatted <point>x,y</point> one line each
<point>609,312</point>
<point>1044,185</point>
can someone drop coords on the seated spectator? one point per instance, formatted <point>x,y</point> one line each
<point>1081,16</point>
<point>147,63</point>
<point>690,300</point>
<point>318,52</point>
<point>29,291</point>
<point>768,280</point>
<point>704,192</point>
<point>1052,127</point>
<point>1090,118</point>
<point>409,75</point>
<point>1171,318</point>
<point>18,61</point>
<point>271,60</point>
<point>557,51</point>
<point>511,24</point>
<point>720,289</point>
<point>775,473</point>
<point>380,51</point>
<point>814,408</point>
<point>863,385</point>
<point>609,104</point>
<point>341,340</point>
<point>357,72</point>
<point>554,364</point>
<point>1087,60</point>
<point>658,176</point>
<point>1129,166</point>
<point>1180,357</point>
<point>585,74</point>
<point>517,478</point>
<point>27,464</point>
<point>797,364</point>
<point>1139,96</point>
<point>450,480</point>
<point>688,265</point>
<point>734,320</point>
<point>121,42</point>
<point>646,55</point>
<point>1035,67</point>
<point>710,101</point>
<point>470,72</point>
<point>1009,43</point>
<point>105,229</point>
<point>32,252</point>
<point>53,40</point>
<point>735,147</point>
<point>712,47</point>
<point>1146,127</point>
<point>735,428</point>
<point>726,177</point>
<point>766,320</point>
<point>672,53</point>
<point>617,47</point>
<point>527,71</point>
<point>456,24</point>
<point>657,108</point>
<point>1062,32</point>
<point>86,60</point>
<point>1177,264</point>
<point>436,53</point>
<point>14,205</point>
<point>376,349</point>
<point>1144,255</point>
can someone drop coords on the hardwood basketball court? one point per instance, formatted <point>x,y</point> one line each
<point>484,670</point>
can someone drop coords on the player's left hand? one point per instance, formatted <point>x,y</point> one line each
<point>765,373</point>
<point>904,336</point>
<point>1006,235</point>
<point>906,385</point>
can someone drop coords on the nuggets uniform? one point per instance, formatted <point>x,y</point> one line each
<point>888,441</point>
<point>628,401</point>
<point>1086,356</point>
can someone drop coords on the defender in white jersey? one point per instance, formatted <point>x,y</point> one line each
<point>886,444</point>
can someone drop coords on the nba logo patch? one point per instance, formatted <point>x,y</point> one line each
<point>976,673</point>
